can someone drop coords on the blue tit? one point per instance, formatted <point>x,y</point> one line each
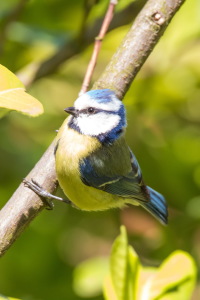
<point>95,167</point>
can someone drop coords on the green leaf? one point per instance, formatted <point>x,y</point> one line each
<point>119,265</point>
<point>14,97</point>
<point>124,270</point>
<point>89,276</point>
<point>174,280</point>
<point>133,273</point>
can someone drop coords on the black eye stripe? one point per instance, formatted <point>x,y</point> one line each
<point>88,110</point>
<point>96,110</point>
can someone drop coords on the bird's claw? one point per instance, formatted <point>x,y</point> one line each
<point>36,188</point>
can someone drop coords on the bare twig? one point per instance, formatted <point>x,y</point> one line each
<point>24,205</point>
<point>97,45</point>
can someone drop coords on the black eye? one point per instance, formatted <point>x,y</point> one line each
<point>91,110</point>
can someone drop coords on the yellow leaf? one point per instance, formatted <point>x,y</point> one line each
<point>119,264</point>
<point>14,97</point>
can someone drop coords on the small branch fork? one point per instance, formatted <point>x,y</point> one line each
<point>97,46</point>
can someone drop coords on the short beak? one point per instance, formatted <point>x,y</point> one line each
<point>71,110</point>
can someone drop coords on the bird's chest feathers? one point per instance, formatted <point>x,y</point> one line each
<point>72,148</point>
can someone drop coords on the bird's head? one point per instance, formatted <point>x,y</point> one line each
<point>98,113</point>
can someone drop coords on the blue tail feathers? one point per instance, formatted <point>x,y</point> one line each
<point>156,206</point>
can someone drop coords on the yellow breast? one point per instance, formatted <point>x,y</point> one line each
<point>71,149</point>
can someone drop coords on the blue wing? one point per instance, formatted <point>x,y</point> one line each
<point>128,186</point>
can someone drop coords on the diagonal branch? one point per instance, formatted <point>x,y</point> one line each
<point>149,26</point>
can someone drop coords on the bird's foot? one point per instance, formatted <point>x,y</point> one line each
<point>45,196</point>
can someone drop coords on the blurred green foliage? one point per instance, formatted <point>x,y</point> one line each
<point>163,110</point>
<point>130,280</point>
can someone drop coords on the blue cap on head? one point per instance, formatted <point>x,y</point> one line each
<point>101,96</point>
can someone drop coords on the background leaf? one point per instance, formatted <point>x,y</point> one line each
<point>174,279</point>
<point>133,273</point>
<point>124,267</point>
<point>119,265</point>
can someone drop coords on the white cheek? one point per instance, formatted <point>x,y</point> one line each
<point>98,123</point>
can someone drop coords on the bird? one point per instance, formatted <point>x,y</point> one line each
<point>95,167</point>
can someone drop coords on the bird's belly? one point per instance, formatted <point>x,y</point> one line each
<point>86,197</point>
